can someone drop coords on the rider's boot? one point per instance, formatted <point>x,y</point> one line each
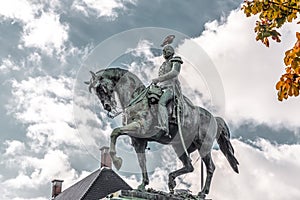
<point>163,121</point>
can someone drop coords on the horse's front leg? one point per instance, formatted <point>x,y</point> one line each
<point>129,129</point>
<point>117,161</point>
<point>140,146</point>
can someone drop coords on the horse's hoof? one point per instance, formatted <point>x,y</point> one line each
<point>141,187</point>
<point>172,185</point>
<point>117,162</point>
<point>201,195</point>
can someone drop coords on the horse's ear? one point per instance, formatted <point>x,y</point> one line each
<point>93,75</point>
<point>90,88</point>
<point>87,82</point>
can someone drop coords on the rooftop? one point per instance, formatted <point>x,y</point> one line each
<point>97,185</point>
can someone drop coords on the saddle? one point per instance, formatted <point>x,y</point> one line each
<point>155,92</point>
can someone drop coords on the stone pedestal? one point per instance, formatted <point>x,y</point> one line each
<point>151,194</point>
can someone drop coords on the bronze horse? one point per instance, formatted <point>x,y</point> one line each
<point>199,128</point>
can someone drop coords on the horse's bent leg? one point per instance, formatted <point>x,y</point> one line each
<point>187,167</point>
<point>140,146</point>
<point>131,128</point>
<point>117,161</point>
<point>210,168</point>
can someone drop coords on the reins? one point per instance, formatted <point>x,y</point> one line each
<point>137,99</point>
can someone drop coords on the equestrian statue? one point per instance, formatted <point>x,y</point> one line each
<point>161,113</point>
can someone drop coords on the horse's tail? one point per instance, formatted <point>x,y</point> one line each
<point>223,139</point>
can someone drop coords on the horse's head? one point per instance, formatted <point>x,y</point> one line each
<point>113,83</point>
<point>103,87</point>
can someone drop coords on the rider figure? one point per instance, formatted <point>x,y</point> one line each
<point>168,80</point>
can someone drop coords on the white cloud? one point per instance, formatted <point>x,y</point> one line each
<point>80,7</point>
<point>21,10</point>
<point>35,58</point>
<point>270,173</point>
<point>200,80</point>
<point>46,33</point>
<point>41,24</point>
<point>52,4</point>
<point>14,147</point>
<point>38,198</point>
<point>9,65</point>
<point>143,49</point>
<point>249,70</point>
<point>103,8</point>
<point>36,172</point>
<point>267,174</point>
<point>147,68</point>
<point>42,30</point>
<point>45,105</point>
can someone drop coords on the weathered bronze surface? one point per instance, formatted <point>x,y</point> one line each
<point>197,131</point>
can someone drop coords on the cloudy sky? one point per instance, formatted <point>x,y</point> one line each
<point>52,128</point>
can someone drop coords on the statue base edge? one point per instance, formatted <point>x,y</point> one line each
<point>151,194</point>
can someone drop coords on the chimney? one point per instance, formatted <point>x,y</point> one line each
<point>56,187</point>
<point>105,157</point>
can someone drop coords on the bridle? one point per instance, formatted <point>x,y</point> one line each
<point>115,110</point>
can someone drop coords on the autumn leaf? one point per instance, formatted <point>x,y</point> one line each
<point>272,15</point>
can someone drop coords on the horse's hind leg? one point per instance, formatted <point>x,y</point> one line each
<point>210,168</point>
<point>140,146</point>
<point>187,167</point>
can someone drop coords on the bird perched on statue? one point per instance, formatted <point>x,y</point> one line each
<point>168,40</point>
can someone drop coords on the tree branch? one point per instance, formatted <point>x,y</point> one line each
<point>289,7</point>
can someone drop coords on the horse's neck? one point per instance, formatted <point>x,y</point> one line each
<point>126,87</point>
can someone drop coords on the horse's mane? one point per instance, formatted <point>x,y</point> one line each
<point>117,73</point>
<point>112,73</point>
